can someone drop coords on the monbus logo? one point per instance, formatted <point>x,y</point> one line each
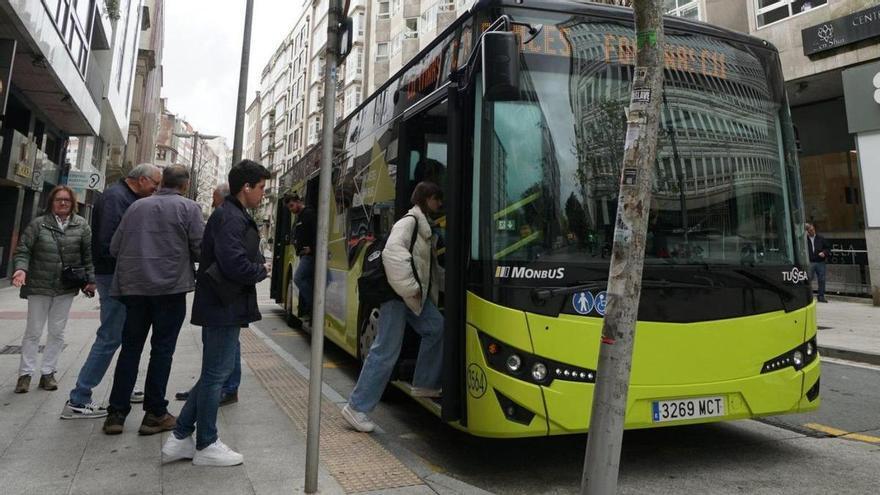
<point>795,276</point>
<point>529,273</point>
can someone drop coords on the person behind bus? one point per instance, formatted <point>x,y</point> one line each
<point>417,306</point>
<point>304,236</point>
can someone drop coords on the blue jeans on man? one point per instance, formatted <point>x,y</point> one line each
<point>107,341</point>
<point>165,314</point>
<point>377,369</point>
<point>220,356</point>
<point>818,269</point>
<point>304,278</point>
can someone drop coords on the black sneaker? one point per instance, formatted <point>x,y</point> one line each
<point>182,395</point>
<point>114,423</point>
<point>226,399</point>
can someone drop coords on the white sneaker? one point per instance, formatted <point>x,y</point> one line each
<point>175,449</point>
<point>217,454</point>
<point>358,420</point>
<point>87,411</point>
<point>137,396</point>
<point>433,393</point>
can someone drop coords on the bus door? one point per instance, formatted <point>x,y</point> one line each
<point>279,244</point>
<point>424,147</point>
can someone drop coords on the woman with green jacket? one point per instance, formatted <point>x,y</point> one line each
<point>60,238</point>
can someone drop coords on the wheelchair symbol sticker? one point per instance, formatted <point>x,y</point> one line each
<point>601,301</point>
<point>582,302</point>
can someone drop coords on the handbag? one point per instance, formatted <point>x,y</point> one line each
<point>72,276</point>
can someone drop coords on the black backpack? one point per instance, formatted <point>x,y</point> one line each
<point>373,286</point>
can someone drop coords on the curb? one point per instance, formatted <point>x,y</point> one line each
<point>861,357</point>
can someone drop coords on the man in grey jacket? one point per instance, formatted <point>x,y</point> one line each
<point>155,247</point>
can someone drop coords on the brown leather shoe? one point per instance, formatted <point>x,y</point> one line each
<point>23,384</point>
<point>153,424</point>
<point>47,382</point>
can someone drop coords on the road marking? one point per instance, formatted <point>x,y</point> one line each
<point>854,364</point>
<point>835,432</point>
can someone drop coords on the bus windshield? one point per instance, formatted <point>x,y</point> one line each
<point>547,166</point>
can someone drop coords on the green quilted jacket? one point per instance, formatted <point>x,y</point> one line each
<point>37,254</point>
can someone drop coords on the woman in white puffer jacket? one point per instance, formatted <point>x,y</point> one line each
<point>418,290</point>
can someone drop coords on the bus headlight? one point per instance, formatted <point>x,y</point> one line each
<point>796,358</point>
<point>513,362</point>
<point>539,372</point>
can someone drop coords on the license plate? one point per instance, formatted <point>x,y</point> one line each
<point>680,409</point>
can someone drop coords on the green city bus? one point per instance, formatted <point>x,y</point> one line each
<point>528,150</point>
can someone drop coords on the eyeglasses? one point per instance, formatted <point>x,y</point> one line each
<point>63,200</point>
<point>155,183</point>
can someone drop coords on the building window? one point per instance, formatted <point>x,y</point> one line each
<point>689,9</point>
<point>770,11</point>
<point>411,30</point>
<point>161,155</point>
<point>382,50</point>
<point>384,11</point>
<point>360,25</point>
<point>395,7</point>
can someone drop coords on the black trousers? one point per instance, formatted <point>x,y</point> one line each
<point>165,314</point>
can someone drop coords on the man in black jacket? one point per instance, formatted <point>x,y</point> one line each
<point>141,182</point>
<point>304,235</point>
<point>225,300</point>
<point>819,253</point>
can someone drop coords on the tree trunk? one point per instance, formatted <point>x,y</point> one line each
<point>602,461</point>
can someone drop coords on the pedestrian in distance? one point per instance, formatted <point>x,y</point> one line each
<point>417,305</point>
<point>156,246</point>
<point>111,205</point>
<point>229,391</point>
<point>225,301</point>
<point>53,262</point>
<point>819,251</point>
<point>305,231</point>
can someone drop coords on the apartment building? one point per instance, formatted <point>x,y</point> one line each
<point>253,132</point>
<point>66,70</point>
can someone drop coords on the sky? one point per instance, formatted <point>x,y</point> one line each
<point>202,56</point>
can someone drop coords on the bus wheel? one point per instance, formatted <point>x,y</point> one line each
<point>369,328</point>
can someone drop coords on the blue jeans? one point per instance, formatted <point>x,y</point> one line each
<point>304,278</point>
<point>107,341</point>
<point>219,351</point>
<point>393,317</point>
<point>234,380</point>
<point>818,268</point>
<point>165,314</point>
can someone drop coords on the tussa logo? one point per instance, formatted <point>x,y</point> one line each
<point>795,276</point>
<point>529,273</point>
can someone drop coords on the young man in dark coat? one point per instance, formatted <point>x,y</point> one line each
<point>225,300</point>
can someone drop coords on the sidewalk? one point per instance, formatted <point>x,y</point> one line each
<point>41,454</point>
<point>849,328</point>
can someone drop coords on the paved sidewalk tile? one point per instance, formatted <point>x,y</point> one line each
<point>42,454</point>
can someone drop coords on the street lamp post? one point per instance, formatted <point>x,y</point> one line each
<point>194,185</point>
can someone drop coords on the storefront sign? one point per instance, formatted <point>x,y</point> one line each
<point>842,31</point>
<point>7,55</point>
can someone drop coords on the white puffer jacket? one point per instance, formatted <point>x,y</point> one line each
<point>398,267</point>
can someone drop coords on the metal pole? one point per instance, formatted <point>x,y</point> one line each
<point>242,83</point>
<point>604,443</point>
<point>316,367</point>
<point>193,180</point>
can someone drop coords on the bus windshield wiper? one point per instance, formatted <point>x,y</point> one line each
<point>542,294</point>
<point>784,295</point>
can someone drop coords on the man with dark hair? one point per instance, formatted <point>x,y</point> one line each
<point>156,244</point>
<point>225,301</point>
<point>141,182</point>
<point>305,231</point>
<point>819,253</point>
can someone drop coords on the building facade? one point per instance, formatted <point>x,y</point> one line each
<point>253,133</point>
<point>66,70</point>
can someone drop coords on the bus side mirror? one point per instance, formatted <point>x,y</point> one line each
<point>500,66</point>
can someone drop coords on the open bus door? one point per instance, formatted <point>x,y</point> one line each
<point>425,154</point>
<point>279,244</point>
